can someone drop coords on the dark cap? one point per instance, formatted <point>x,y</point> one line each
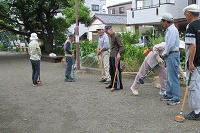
<point>71,35</point>
<point>107,27</point>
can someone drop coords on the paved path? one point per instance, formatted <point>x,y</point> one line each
<point>84,106</point>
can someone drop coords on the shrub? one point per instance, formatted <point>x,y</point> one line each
<point>2,47</point>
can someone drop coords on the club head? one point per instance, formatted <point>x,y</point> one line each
<point>141,80</point>
<point>179,118</point>
<point>112,89</point>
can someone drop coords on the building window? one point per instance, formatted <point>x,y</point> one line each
<point>112,11</point>
<point>192,2</point>
<point>132,14</point>
<point>95,7</point>
<point>121,9</point>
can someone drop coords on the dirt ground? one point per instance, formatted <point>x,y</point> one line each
<point>84,106</point>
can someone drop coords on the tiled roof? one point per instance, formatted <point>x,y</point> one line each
<point>111,18</point>
<point>120,4</point>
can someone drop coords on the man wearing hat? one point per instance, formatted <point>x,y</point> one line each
<point>35,55</point>
<point>192,41</point>
<point>171,55</point>
<point>116,50</point>
<point>103,52</point>
<point>68,56</point>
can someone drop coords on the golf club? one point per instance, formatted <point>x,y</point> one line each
<point>141,80</point>
<point>180,118</point>
<point>116,71</point>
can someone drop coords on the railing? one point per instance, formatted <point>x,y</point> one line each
<point>150,6</point>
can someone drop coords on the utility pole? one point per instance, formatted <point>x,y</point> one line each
<point>77,38</point>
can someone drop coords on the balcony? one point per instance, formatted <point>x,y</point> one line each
<point>150,14</point>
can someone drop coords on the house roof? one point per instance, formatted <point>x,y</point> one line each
<point>120,4</point>
<point>111,18</point>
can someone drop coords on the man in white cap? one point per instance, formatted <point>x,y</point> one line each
<point>35,55</point>
<point>171,55</point>
<point>192,41</point>
<point>103,52</point>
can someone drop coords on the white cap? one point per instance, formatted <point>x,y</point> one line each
<point>33,36</point>
<point>167,17</point>
<point>100,28</point>
<point>182,44</point>
<point>192,8</point>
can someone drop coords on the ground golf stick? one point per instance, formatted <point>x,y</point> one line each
<point>141,80</point>
<point>73,75</point>
<point>116,71</point>
<point>180,118</point>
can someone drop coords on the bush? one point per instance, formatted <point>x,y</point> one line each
<point>88,47</point>
<point>2,47</point>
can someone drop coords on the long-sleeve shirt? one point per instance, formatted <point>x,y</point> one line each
<point>172,40</point>
<point>68,48</point>
<point>34,50</point>
<point>103,42</point>
<point>116,45</point>
<point>157,51</point>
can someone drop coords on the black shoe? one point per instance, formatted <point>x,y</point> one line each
<point>192,116</point>
<point>165,98</point>
<point>108,87</point>
<point>103,80</point>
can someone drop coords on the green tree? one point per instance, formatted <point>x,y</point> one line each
<point>26,16</point>
<point>83,13</point>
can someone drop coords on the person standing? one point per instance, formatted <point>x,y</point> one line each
<point>103,52</point>
<point>35,55</point>
<point>115,55</point>
<point>192,41</point>
<point>171,55</point>
<point>68,56</point>
<point>150,61</point>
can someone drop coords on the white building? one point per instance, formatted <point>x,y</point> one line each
<point>95,6</point>
<point>145,13</point>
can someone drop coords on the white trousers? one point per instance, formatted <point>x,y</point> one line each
<point>105,64</point>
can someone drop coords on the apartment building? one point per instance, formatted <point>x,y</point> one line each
<point>120,8</point>
<point>145,13</point>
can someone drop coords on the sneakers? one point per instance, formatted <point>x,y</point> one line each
<point>103,80</point>
<point>173,103</point>
<point>109,86</point>
<point>135,91</point>
<point>35,85</point>
<point>68,80</point>
<point>165,98</point>
<point>192,116</point>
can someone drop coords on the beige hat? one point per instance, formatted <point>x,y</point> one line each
<point>182,44</point>
<point>167,17</point>
<point>33,36</point>
<point>192,8</point>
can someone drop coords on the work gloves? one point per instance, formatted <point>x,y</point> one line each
<point>159,59</point>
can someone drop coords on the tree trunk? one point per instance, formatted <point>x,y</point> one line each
<point>48,42</point>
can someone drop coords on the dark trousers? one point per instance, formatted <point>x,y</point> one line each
<point>118,80</point>
<point>35,70</point>
<point>68,67</point>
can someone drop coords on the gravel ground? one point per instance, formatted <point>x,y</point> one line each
<point>84,106</point>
